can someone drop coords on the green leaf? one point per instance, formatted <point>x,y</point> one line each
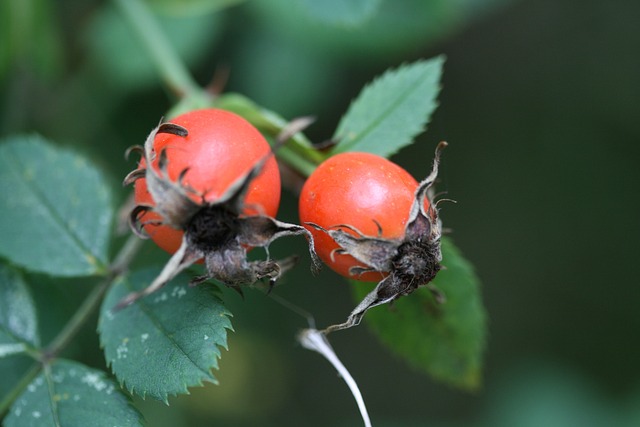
<point>56,209</point>
<point>71,394</point>
<point>447,341</point>
<point>18,320</point>
<point>167,341</point>
<point>348,13</point>
<point>392,110</point>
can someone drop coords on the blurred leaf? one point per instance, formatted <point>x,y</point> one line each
<point>191,7</point>
<point>266,66</point>
<point>29,37</point>
<point>56,212</point>
<point>399,28</point>
<point>18,320</point>
<point>392,110</point>
<point>539,393</point>
<point>70,394</point>
<point>342,12</point>
<point>447,341</point>
<point>121,56</point>
<point>165,342</point>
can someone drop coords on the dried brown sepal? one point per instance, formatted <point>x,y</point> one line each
<point>410,262</point>
<point>214,231</point>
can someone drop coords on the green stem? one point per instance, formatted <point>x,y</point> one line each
<point>80,317</point>
<point>172,69</point>
<point>296,161</point>
<point>15,391</point>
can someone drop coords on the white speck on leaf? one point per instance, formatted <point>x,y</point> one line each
<point>162,297</point>
<point>94,381</point>
<point>36,414</point>
<point>122,350</point>
<point>144,337</point>
<point>178,292</point>
<point>206,337</point>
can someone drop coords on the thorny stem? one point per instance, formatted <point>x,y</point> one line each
<point>172,69</point>
<point>78,320</point>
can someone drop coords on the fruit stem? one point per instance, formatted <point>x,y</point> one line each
<point>296,161</point>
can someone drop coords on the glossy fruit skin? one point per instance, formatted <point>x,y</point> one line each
<point>356,189</point>
<point>220,148</point>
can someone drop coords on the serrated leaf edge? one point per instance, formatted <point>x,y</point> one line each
<point>371,86</point>
<point>207,377</point>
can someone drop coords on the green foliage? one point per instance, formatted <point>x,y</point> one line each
<point>29,37</point>
<point>124,59</point>
<point>58,217</point>
<point>342,12</point>
<point>392,110</point>
<point>165,342</point>
<point>445,340</point>
<point>18,319</point>
<point>70,394</point>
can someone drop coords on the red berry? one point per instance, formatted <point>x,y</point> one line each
<point>361,190</point>
<point>220,148</point>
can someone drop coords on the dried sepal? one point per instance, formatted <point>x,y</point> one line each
<point>374,252</point>
<point>184,257</point>
<point>260,231</point>
<point>408,263</point>
<point>135,222</point>
<point>133,176</point>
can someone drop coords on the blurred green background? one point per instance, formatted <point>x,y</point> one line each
<point>541,107</point>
